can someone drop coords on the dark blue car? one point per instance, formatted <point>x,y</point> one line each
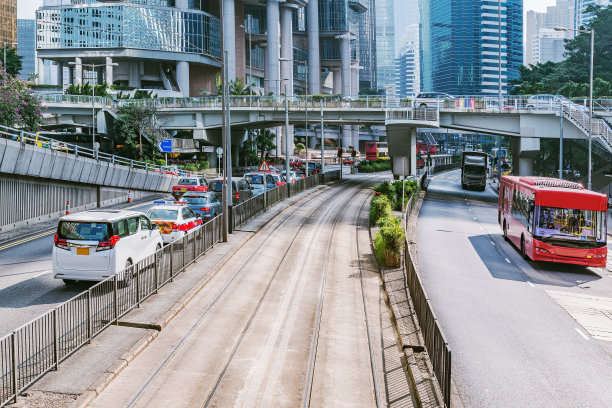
<point>206,204</point>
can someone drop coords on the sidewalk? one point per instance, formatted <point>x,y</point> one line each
<point>85,374</point>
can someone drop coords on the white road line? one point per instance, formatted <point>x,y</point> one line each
<point>507,260</point>
<point>580,332</point>
<point>492,243</point>
<point>41,274</point>
<point>474,217</point>
<point>531,284</point>
<point>481,227</point>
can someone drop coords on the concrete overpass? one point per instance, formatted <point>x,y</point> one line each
<point>524,121</point>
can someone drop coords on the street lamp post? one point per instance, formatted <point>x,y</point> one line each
<point>93,106</point>
<point>590,134</point>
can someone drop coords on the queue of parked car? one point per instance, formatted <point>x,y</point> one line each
<point>97,244</point>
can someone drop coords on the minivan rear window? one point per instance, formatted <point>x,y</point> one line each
<point>188,182</point>
<point>84,231</point>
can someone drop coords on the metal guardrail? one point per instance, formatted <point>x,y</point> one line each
<point>37,347</point>
<point>435,342</point>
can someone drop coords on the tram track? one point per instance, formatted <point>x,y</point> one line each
<point>206,312</point>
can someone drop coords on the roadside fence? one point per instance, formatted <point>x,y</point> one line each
<point>435,342</point>
<point>37,347</point>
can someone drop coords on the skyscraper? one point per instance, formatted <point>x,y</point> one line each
<point>406,72</point>
<point>542,43</point>
<point>26,46</point>
<point>582,18</point>
<point>460,49</point>
<point>385,46</point>
<point>8,22</point>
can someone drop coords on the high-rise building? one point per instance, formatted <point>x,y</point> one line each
<point>406,82</point>
<point>461,47</point>
<point>548,45</point>
<point>26,47</point>
<point>385,46</point>
<point>582,17</point>
<point>8,23</point>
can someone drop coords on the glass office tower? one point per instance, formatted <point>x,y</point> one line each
<point>460,45</point>
<point>26,46</point>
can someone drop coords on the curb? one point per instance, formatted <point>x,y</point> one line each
<point>105,379</point>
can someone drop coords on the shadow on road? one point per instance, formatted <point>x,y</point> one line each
<point>42,290</point>
<point>545,273</point>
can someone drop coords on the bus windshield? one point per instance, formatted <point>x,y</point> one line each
<point>570,224</point>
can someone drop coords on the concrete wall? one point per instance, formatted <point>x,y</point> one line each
<point>28,160</point>
<point>26,200</point>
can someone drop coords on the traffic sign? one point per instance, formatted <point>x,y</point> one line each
<point>219,151</point>
<point>165,146</point>
<point>208,149</point>
<point>264,167</point>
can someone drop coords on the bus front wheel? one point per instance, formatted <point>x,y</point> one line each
<point>523,247</point>
<point>505,231</point>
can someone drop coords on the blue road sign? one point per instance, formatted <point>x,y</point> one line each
<point>165,146</point>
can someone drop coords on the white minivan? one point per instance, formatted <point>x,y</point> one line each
<point>97,244</point>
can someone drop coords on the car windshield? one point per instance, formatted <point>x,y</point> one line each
<point>216,186</point>
<point>84,231</point>
<point>475,169</point>
<point>570,224</point>
<point>195,200</point>
<point>254,178</point>
<point>162,214</point>
<point>188,182</point>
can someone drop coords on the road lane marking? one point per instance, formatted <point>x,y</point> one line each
<point>531,284</point>
<point>581,333</point>
<point>474,217</point>
<point>492,243</point>
<point>481,227</point>
<point>507,260</point>
<point>28,239</point>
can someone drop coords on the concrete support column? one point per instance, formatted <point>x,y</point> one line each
<point>312,140</point>
<point>273,48</point>
<point>280,141</point>
<point>41,71</point>
<point>70,79</point>
<point>345,60</point>
<point>524,152</point>
<point>354,80</point>
<point>413,151</point>
<point>229,37</point>
<point>355,137</point>
<point>78,71</point>
<point>59,74</point>
<point>286,48</point>
<point>337,85</point>
<point>182,77</point>
<point>109,71</point>
<point>347,136</point>
<point>314,57</point>
<point>134,80</point>
<point>181,4</point>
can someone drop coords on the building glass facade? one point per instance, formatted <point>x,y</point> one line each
<point>118,26</point>
<point>333,15</point>
<point>583,19</point>
<point>460,45</point>
<point>385,46</point>
<point>406,72</point>
<point>26,47</point>
<point>8,22</point>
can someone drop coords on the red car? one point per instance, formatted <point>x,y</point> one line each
<point>348,162</point>
<point>186,184</point>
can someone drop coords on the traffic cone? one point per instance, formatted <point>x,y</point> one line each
<point>129,196</point>
<point>67,207</point>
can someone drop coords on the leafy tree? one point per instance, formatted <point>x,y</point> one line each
<point>19,106</point>
<point>85,90</point>
<point>571,77</point>
<point>236,87</point>
<point>129,126</point>
<point>13,61</point>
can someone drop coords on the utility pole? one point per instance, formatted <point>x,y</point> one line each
<point>561,140</point>
<point>322,140</point>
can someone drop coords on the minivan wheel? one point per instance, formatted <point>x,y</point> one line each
<point>69,282</point>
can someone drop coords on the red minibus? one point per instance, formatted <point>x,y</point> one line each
<point>554,220</point>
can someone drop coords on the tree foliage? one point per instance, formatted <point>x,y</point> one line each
<point>13,61</point>
<point>571,77</point>
<point>19,106</point>
<point>236,87</point>
<point>132,121</point>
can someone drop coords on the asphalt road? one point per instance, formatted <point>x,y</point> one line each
<point>247,338</point>
<point>522,334</point>
<point>27,286</point>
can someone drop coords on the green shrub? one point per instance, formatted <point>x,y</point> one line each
<point>203,165</point>
<point>379,207</point>
<point>191,167</point>
<point>160,162</point>
<point>411,188</point>
<point>389,241</point>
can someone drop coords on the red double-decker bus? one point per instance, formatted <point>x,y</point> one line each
<point>554,220</point>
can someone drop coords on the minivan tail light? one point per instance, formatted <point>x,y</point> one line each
<point>110,244</point>
<point>237,196</point>
<point>205,209</point>
<point>60,243</point>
